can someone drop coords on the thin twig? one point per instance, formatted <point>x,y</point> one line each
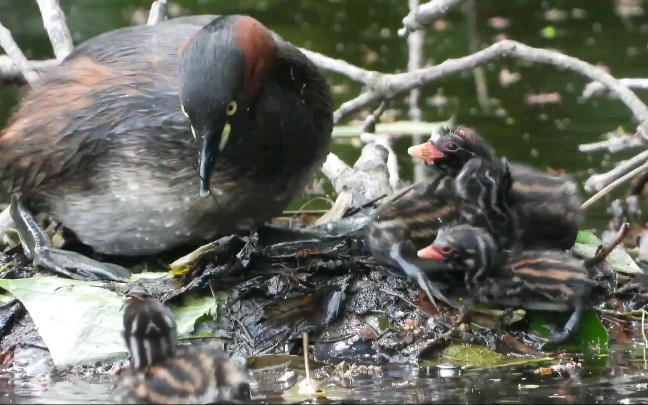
<point>601,181</point>
<point>605,251</point>
<point>158,12</point>
<point>614,185</point>
<point>616,142</point>
<point>425,14</point>
<point>389,85</point>
<point>17,56</point>
<point>415,61</point>
<point>596,89</point>
<point>474,44</point>
<point>56,27</point>
<point>10,72</point>
<point>368,136</point>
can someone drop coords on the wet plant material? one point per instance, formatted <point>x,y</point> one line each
<point>267,289</point>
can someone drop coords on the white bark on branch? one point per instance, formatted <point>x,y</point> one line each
<point>9,70</point>
<point>598,181</point>
<point>56,27</point>
<point>389,85</point>
<point>16,56</point>
<point>596,89</point>
<point>424,14</point>
<point>614,143</point>
<point>158,12</point>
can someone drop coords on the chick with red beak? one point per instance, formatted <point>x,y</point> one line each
<point>433,253</point>
<point>427,152</point>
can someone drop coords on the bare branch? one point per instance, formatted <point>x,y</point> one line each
<point>16,56</point>
<point>616,142</point>
<point>56,27</point>
<point>369,178</point>
<point>596,89</point>
<point>10,72</point>
<point>414,62</point>
<point>389,85</point>
<point>614,184</point>
<point>158,12</point>
<point>340,67</point>
<point>424,14</point>
<point>598,181</point>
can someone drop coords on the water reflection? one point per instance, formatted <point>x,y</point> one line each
<point>611,33</point>
<point>621,378</point>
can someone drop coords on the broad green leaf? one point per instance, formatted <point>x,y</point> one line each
<point>157,275</point>
<point>591,332</point>
<point>188,313</point>
<point>477,357</point>
<point>79,321</point>
<point>398,127</point>
<point>467,355</point>
<point>621,262</point>
<point>6,298</point>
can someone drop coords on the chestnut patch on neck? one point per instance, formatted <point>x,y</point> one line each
<point>259,52</point>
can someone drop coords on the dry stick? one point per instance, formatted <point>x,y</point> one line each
<point>415,61</point>
<point>600,181</point>
<point>158,12</point>
<point>424,14</point>
<point>11,72</point>
<point>614,185</point>
<point>474,44</point>
<point>16,55</point>
<point>56,27</point>
<point>368,136</point>
<point>615,143</point>
<point>605,251</point>
<point>389,85</point>
<point>596,89</point>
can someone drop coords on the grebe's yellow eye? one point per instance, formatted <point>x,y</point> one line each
<point>231,108</point>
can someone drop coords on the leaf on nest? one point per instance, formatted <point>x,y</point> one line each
<point>81,322</point>
<point>586,245</point>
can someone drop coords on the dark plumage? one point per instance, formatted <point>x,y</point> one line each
<point>102,143</point>
<point>549,280</point>
<point>547,207</point>
<point>161,372</point>
<point>410,220</point>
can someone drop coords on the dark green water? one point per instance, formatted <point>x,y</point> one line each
<point>363,32</point>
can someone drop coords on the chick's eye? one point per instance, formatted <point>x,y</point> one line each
<point>451,146</point>
<point>231,108</point>
<point>446,250</point>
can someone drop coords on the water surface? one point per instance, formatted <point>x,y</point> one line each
<point>363,32</point>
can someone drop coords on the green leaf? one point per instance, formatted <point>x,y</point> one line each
<point>398,127</point>
<point>588,238</point>
<point>591,332</point>
<point>157,275</point>
<point>469,355</point>
<point>187,314</point>
<point>477,357</point>
<point>79,321</point>
<point>621,262</point>
<point>6,298</point>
